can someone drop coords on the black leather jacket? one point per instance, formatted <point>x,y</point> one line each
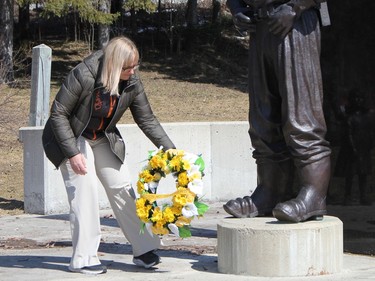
<point>72,107</point>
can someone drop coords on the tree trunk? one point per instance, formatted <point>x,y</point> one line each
<point>103,30</point>
<point>133,22</point>
<point>192,23</point>
<point>191,13</point>
<point>118,7</point>
<point>24,21</point>
<point>6,41</point>
<point>216,6</point>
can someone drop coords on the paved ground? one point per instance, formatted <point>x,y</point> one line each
<point>34,247</point>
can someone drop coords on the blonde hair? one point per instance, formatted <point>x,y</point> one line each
<point>119,51</point>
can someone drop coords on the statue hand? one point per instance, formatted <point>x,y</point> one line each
<point>243,23</point>
<point>281,22</point>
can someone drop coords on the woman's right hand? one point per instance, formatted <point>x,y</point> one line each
<point>78,164</point>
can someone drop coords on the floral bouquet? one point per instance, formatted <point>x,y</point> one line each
<point>165,213</point>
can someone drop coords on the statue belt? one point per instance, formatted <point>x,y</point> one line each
<point>265,12</point>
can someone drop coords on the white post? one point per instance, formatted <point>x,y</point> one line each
<point>40,85</point>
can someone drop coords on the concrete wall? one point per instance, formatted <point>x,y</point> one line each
<point>225,147</point>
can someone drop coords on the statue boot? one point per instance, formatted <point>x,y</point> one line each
<point>310,203</point>
<point>273,179</point>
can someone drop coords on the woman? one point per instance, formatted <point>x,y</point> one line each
<point>81,138</point>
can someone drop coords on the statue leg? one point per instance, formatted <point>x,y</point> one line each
<point>310,202</point>
<point>273,179</point>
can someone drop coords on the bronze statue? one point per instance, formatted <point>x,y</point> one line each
<point>287,125</point>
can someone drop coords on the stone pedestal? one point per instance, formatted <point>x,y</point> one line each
<point>269,248</point>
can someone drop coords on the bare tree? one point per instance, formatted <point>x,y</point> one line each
<point>216,7</point>
<point>192,13</point>
<point>103,29</point>
<point>6,41</point>
<point>23,20</point>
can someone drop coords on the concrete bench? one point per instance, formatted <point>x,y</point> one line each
<point>225,147</point>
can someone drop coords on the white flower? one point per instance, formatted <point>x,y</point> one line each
<point>194,170</point>
<point>152,153</point>
<point>190,157</point>
<point>164,201</point>
<point>196,186</point>
<point>152,186</point>
<point>189,210</point>
<point>174,229</point>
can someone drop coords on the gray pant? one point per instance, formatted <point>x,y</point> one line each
<point>82,193</point>
<point>286,94</point>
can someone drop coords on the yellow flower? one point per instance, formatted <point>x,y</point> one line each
<point>185,164</point>
<point>157,215</point>
<point>157,177</point>
<point>156,162</point>
<point>181,221</point>
<point>179,199</point>
<point>167,169</point>
<point>175,164</point>
<point>168,214</point>
<point>164,156</point>
<point>183,196</point>
<point>146,176</point>
<point>159,229</point>
<point>175,152</point>
<point>177,210</point>
<point>183,179</point>
<point>140,202</point>
<point>143,212</point>
<point>140,187</point>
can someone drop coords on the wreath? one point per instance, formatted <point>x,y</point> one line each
<point>162,214</point>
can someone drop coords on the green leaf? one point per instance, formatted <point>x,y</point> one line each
<point>184,231</point>
<point>150,152</point>
<point>200,163</point>
<point>142,230</point>
<point>202,208</point>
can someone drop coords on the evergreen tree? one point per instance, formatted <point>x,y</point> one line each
<point>88,12</point>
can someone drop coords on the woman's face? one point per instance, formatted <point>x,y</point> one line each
<point>128,70</point>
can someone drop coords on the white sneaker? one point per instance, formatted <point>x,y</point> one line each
<point>93,269</point>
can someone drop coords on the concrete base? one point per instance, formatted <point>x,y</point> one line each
<point>269,248</point>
